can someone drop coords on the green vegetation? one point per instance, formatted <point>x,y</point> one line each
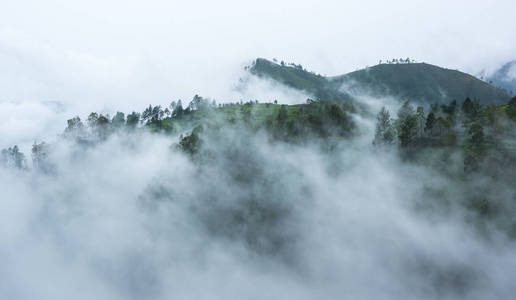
<point>423,83</point>
<point>417,82</point>
<point>475,128</point>
<point>300,79</point>
<point>480,137</point>
<point>483,136</point>
<point>503,78</point>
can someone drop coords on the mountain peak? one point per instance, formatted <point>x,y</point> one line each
<point>421,83</point>
<point>505,77</point>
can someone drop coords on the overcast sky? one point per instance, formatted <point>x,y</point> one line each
<point>108,55</point>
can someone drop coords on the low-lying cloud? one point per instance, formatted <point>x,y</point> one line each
<point>131,218</point>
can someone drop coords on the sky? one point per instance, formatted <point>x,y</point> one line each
<point>74,57</point>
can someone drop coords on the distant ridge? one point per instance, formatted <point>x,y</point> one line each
<point>505,77</point>
<point>316,85</point>
<point>418,82</point>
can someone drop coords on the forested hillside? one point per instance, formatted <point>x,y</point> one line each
<point>405,80</point>
<point>483,136</point>
<point>505,77</point>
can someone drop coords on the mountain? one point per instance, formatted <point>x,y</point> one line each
<point>422,83</point>
<point>298,78</point>
<point>418,82</point>
<point>505,77</point>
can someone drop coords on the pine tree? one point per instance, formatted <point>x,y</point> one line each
<point>430,122</point>
<point>475,149</point>
<point>118,120</point>
<point>384,133</point>
<point>282,115</point>
<point>406,124</point>
<point>133,119</point>
<point>405,110</point>
<point>178,111</point>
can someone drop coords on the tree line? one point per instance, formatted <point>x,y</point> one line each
<point>471,126</point>
<point>98,127</point>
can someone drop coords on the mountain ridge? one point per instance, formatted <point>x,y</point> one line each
<point>505,77</point>
<point>421,83</point>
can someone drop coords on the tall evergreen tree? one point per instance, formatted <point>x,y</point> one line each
<point>420,112</point>
<point>406,124</point>
<point>133,119</point>
<point>475,148</point>
<point>430,122</point>
<point>384,133</point>
<point>178,111</point>
<point>282,114</point>
<point>405,110</point>
<point>118,120</point>
<point>74,129</point>
<point>407,130</point>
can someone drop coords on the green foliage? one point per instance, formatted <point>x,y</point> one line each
<point>118,120</point>
<point>417,131</point>
<point>430,121</point>
<point>407,125</point>
<point>293,123</point>
<point>448,140</point>
<point>191,144</point>
<point>421,81</point>
<point>406,110</point>
<point>102,128</point>
<point>384,132</point>
<point>133,119</point>
<point>442,126</point>
<point>511,108</point>
<point>475,149</point>
<point>470,109</point>
<point>449,109</point>
<point>74,129</point>
<point>200,103</point>
<point>282,115</point>
<point>177,109</point>
<point>424,82</point>
<point>319,86</point>
<point>315,120</point>
<point>512,102</point>
<point>152,115</point>
<point>99,125</point>
<point>407,130</point>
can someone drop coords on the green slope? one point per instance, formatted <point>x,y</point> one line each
<point>418,82</point>
<point>422,83</point>
<point>503,77</point>
<point>288,122</point>
<point>316,85</point>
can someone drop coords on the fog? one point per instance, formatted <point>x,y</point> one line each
<point>133,218</point>
<point>123,55</point>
